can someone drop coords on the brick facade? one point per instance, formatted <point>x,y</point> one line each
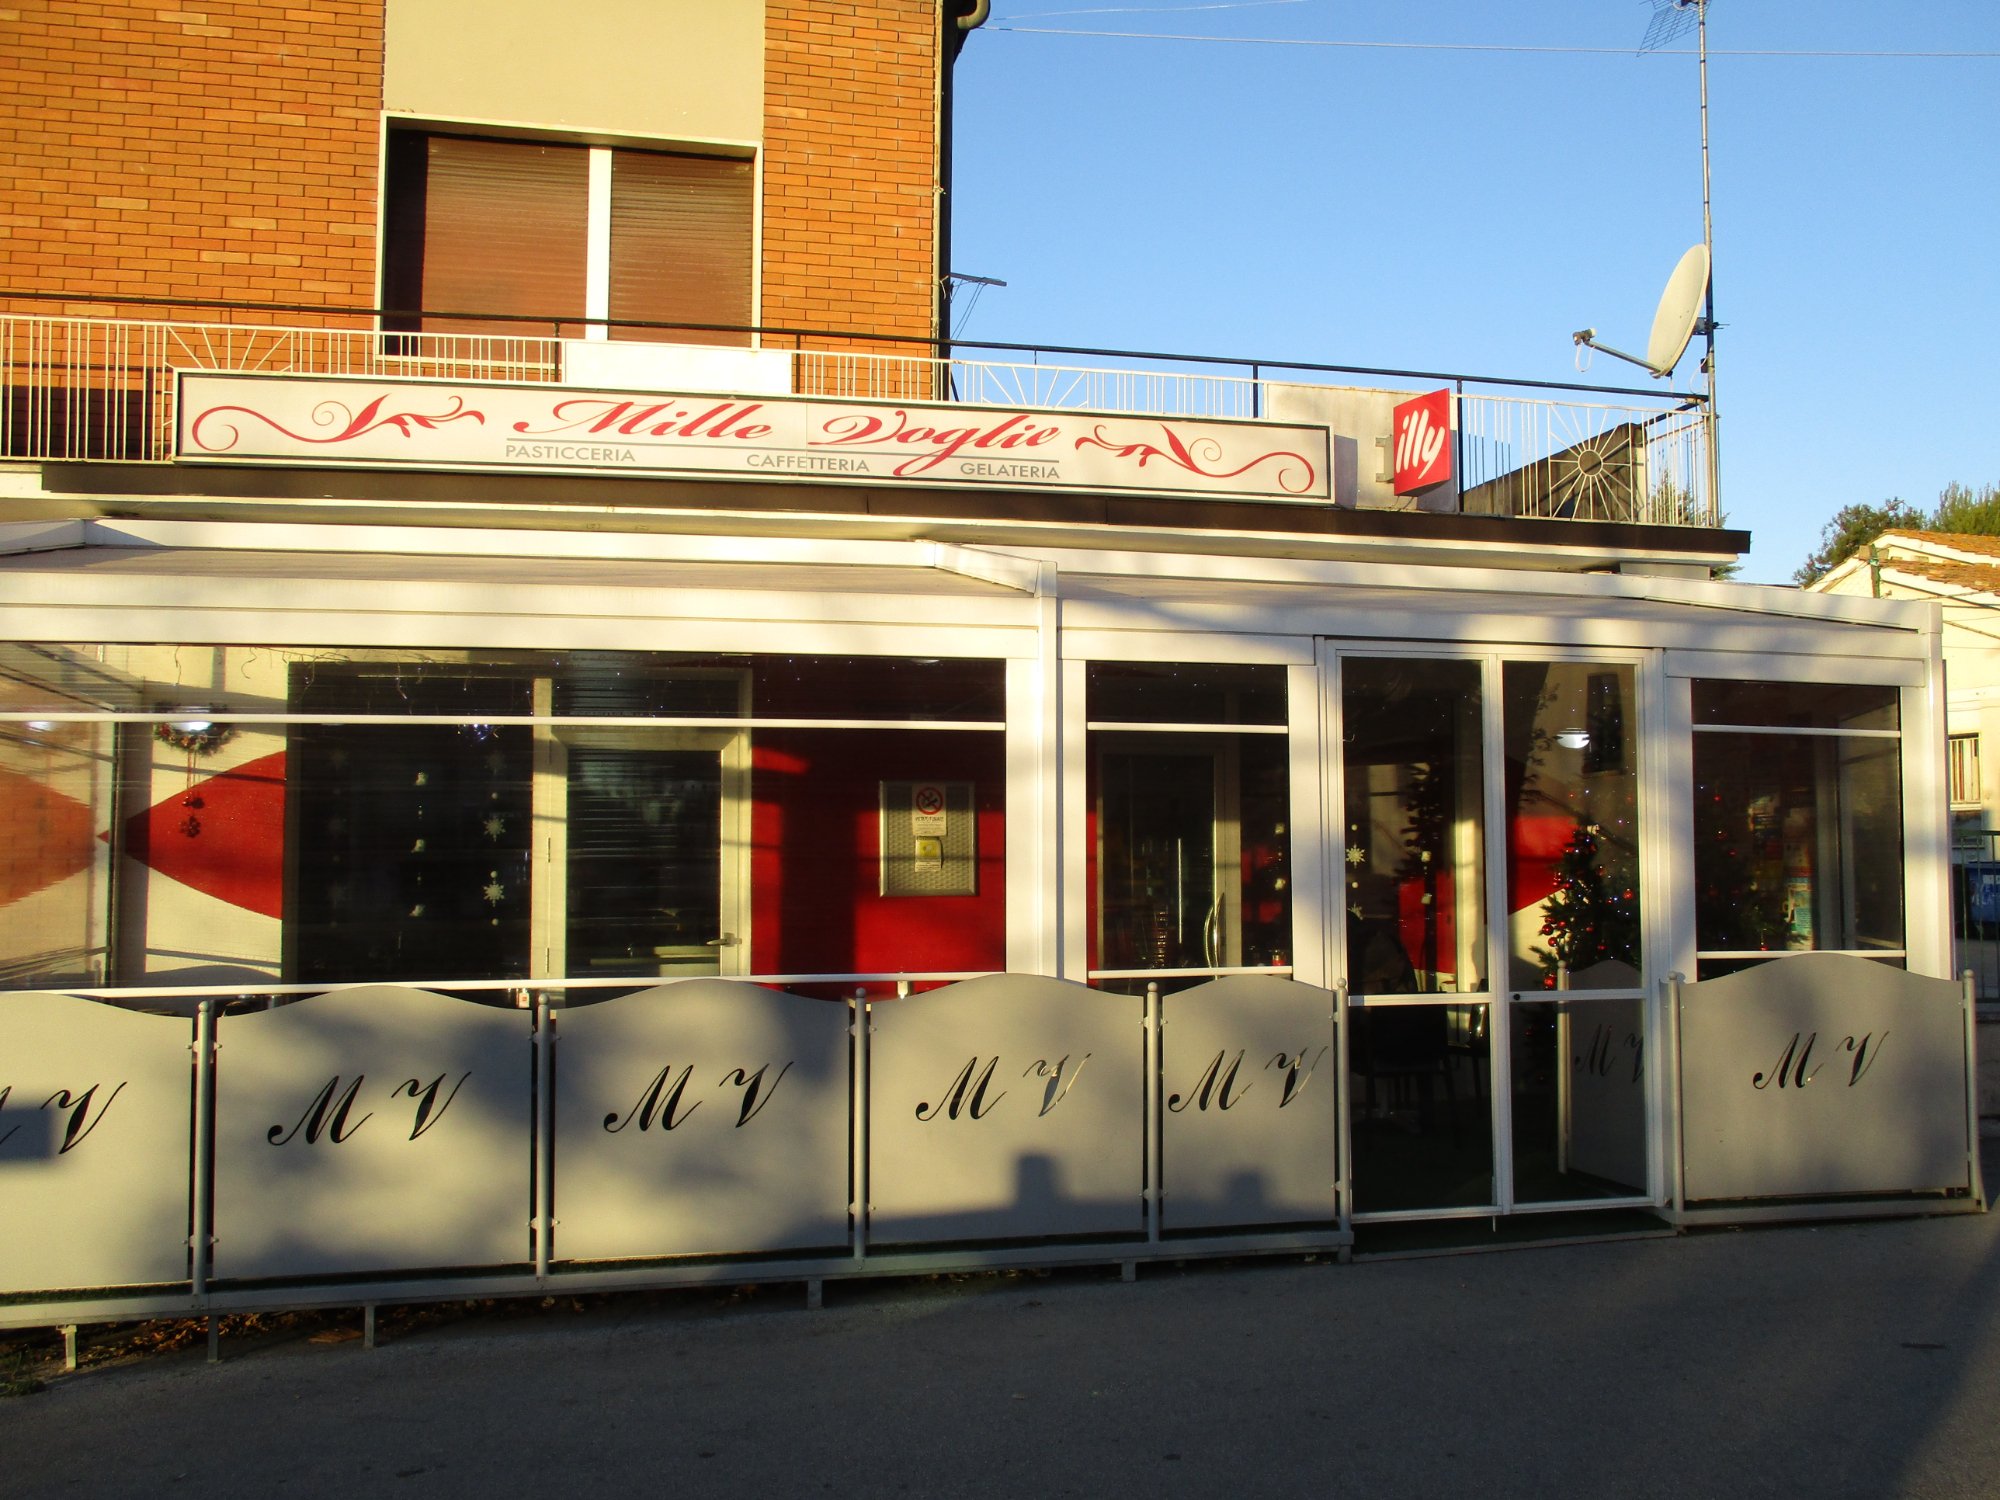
<point>229,150</point>
<point>217,149</point>
<point>851,164</point>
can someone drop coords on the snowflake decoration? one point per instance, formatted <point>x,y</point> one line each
<point>494,891</point>
<point>495,825</point>
<point>1356,854</point>
<point>417,847</point>
<point>423,778</point>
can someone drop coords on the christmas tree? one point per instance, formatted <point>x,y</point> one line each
<point>1586,920</point>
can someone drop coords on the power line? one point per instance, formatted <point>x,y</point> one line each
<point>1288,41</point>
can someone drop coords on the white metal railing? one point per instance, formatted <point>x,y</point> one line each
<point>1569,460</point>
<point>102,390</point>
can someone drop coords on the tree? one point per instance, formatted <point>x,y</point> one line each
<point>1852,528</point>
<point>1960,508</point>
<point>1963,509</point>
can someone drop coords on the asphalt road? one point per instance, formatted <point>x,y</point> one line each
<point>1850,1360</point>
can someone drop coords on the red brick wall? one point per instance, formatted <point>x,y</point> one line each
<point>229,149</point>
<point>212,148</point>
<point>850,165</point>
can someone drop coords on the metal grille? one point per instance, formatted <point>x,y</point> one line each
<point>102,390</point>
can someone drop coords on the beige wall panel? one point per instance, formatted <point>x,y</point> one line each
<point>681,70</point>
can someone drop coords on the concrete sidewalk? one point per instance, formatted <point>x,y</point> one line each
<point>1850,1360</point>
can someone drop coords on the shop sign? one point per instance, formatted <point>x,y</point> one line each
<point>1423,428</point>
<point>264,419</point>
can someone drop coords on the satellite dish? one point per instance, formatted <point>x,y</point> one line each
<point>1675,322</point>
<point>1680,311</point>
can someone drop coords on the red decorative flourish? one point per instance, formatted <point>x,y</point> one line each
<point>352,424</point>
<point>1183,455</point>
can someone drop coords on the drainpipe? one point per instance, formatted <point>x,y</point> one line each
<point>954,28</point>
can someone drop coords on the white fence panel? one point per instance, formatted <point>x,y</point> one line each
<point>705,1117</point>
<point>1250,1101</point>
<point>1010,1107</point>
<point>94,1145</point>
<point>1823,1074</point>
<point>374,1129</point>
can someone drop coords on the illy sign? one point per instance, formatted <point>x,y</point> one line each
<point>1423,428</point>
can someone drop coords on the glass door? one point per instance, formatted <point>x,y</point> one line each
<point>1413,847</point>
<point>1491,872</point>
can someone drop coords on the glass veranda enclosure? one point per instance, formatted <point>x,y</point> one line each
<point>1500,898</point>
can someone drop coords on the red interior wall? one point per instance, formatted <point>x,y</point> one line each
<point>815,876</point>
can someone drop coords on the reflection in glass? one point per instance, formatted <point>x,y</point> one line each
<point>1423,1118</point>
<point>1572,832</point>
<point>410,852</point>
<point>226,680</point>
<point>1579,1100</point>
<point>1796,705</point>
<point>415,831</point>
<point>1152,693</point>
<point>1414,841</point>
<point>57,786</point>
<point>1798,843</point>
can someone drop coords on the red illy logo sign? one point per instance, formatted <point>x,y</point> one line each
<point>1423,428</point>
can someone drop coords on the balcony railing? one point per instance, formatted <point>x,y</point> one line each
<point>102,390</point>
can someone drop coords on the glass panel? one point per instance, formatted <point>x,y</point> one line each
<point>1579,1100</point>
<point>1142,693</point>
<point>1798,843</point>
<point>847,877</point>
<point>1796,705</point>
<point>644,891</point>
<point>1423,1117</point>
<point>202,849</point>
<point>1572,831</point>
<point>410,852</point>
<point>1192,851</point>
<point>223,680</point>
<point>1415,845</point>
<point>57,789</point>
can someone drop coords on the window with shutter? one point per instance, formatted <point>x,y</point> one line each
<point>477,228</point>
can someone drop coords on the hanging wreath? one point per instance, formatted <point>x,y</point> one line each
<point>205,741</point>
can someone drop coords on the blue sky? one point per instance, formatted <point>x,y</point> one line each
<point>1420,207</point>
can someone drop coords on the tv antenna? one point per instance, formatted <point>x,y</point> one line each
<point>953,281</point>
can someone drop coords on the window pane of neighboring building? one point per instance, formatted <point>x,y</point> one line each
<point>1964,770</point>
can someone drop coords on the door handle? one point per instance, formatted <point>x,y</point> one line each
<point>727,940</point>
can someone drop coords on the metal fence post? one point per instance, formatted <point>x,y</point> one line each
<point>201,1235</point>
<point>1155,1133</point>
<point>858,1026</point>
<point>543,1226</point>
